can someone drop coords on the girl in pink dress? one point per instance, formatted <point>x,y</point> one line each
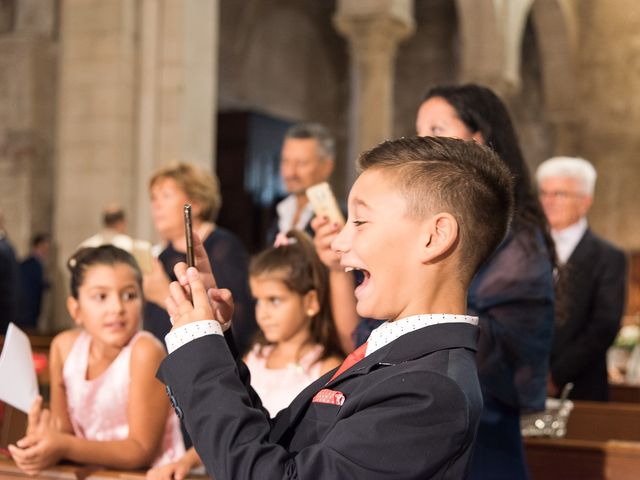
<point>297,342</point>
<point>107,408</point>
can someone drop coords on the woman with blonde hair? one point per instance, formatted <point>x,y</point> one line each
<point>171,187</point>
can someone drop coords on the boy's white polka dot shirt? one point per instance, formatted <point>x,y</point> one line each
<point>381,336</point>
<point>389,331</point>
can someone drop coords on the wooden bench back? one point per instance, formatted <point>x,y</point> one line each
<point>604,421</point>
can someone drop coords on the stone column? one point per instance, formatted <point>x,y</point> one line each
<point>96,161</point>
<point>137,89</point>
<point>491,34</point>
<point>373,28</point>
<point>177,101</point>
<point>28,54</point>
<point>27,104</point>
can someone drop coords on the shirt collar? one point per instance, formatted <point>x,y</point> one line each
<point>389,331</point>
<point>567,239</point>
<point>287,209</point>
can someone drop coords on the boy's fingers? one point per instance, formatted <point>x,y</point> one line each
<point>180,270</point>
<point>181,300</point>
<point>198,292</point>
<point>221,296</point>
<point>172,308</point>
<point>200,254</point>
<point>223,301</point>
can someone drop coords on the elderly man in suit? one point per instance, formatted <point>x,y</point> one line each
<point>592,296</point>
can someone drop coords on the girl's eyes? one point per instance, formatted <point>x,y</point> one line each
<point>133,295</point>
<point>126,296</point>
<point>270,301</point>
<point>358,223</point>
<point>275,301</point>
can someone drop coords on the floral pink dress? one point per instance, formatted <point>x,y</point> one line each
<point>98,407</point>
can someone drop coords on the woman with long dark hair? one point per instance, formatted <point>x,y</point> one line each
<point>513,293</point>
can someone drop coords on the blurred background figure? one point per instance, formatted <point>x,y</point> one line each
<point>9,280</point>
<point>114,232</point>
<point>307,158</point>
<point>594,283</point>
<point>33,281</point>
<point>114,225</point>
<point>171,187</point>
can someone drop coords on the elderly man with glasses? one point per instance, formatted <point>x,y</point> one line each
<point>591,294</point>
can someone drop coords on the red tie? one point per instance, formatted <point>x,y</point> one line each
<point>353,358</point>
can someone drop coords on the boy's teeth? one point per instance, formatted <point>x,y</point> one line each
<point>348,269</point>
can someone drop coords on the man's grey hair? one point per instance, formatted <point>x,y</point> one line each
<point>576,168</point>
<point>317,131</point>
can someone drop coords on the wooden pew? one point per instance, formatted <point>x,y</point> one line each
<point>624,392</point>
<point>602,442</point>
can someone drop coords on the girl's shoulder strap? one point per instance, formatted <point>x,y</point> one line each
<point>74,349</point>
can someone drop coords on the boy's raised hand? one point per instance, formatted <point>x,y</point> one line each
<point>208,304</point>
<point>202,264</point>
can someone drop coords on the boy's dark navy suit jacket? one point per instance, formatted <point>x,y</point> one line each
<point>411,411</point>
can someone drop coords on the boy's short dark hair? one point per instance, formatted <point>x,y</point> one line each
<point>460,177</point>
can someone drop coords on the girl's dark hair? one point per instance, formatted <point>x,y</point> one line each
<point>481,110</point>
<point>85,258</point>
<point>298,266</point>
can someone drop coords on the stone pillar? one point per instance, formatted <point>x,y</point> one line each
<point>137,89</point>
<point>373,28</point>
<point>27,103</point>
<point>491,35</point>
<point>177,102</point>
<point>96,119</point>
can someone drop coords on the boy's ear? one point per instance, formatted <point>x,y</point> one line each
<point>440,237</point>
<point>73,307</point>
<point>311,303</point>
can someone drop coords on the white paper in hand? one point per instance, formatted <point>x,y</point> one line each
<point>18,381</point>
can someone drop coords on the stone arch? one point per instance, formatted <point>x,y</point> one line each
<point>481,46</point>
<point>491,33</point>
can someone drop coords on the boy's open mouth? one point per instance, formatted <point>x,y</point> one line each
<point>362,276</point>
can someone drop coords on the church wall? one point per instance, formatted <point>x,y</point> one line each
<point>609,113</point>
<point>286,62</point>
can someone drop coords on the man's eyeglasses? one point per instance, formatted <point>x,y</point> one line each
<point>558,194</point>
